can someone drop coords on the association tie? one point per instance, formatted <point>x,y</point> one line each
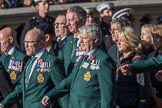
<point>7,61</point>
<point>74,47</point>
<point>28,70</point>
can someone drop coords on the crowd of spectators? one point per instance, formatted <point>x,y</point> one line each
<point>6,4</point>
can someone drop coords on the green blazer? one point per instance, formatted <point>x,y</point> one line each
<point>45,73</point>
<point>13,64</point>
<point>147,65</point>
<point>65,55</point>
<point>90,84</point>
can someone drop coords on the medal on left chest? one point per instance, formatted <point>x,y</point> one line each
<point>95,64</point>
<point>42,68</point>
<point>87,76</point>
<point>14,66</point>
<point>40,78</point>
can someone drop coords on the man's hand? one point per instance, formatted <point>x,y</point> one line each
<point>46,101</point>
<point>125,69</point>
<point>158,75</point>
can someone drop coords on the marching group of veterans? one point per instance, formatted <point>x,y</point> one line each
<point>73,62</point>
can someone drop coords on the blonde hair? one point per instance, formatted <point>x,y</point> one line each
<point>149,29</point>
<point>157,31</point>
<point>129,37</point>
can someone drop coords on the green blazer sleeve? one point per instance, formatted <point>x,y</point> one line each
<point>61,55</point>
<point>62,89</point>
<point>147,65</point>
<point>105,77</point>
<point>58,72</point>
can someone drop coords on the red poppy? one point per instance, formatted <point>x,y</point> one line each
<point>40,61</point>
<point>91,57</point>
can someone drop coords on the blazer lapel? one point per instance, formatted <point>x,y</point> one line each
<point>80,69</point>
<point>34,74</point>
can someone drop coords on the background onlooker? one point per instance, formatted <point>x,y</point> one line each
<point>1,4</point>
<point>90,16</point>
<point>13,3</point>
<point>42,8</point>
<point>27,3</point>
<point>147,39</point>
<point>61,30</point>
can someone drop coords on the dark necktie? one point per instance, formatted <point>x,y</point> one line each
<point>7,61</point>
<point>74,47</point>
<point>28,70</point>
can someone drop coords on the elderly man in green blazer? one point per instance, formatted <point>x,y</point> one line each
<point>12,61</point>
<point>41,70</point>
<point>75,17</point>
<point>11,58</point>
<point>91,82</point>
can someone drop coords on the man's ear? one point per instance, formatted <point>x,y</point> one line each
<point>42,42</point>
<point>11,39</point>
<point>47,37</point>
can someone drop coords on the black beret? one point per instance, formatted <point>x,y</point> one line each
<point>46,28</point>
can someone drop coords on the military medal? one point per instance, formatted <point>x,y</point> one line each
<point>13,75</point>
<point>95,64</point>
<point>40,78</point>
<point>85,65</point>
<point>87,76</point>
<point>38,69</point>
<point>92,66</point>
<point>15,65</point>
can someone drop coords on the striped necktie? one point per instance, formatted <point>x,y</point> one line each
<point>74,47</point>
<point>29,68</point>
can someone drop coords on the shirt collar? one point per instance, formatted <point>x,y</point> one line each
<point>10,51</point>
<point>90,52</point>
<point>40,53</point>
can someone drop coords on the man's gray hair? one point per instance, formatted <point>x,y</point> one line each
<point>93,30</point>
<point>80,12</point>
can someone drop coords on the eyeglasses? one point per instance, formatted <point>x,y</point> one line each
<point>59,24</point>
<point>31,42</point>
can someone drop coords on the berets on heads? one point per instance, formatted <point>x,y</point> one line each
<point>89,10</point>
<point>126,12</point>
<point>36,1</point>
<point>106,5</point>
<point>46,28</point>
<point>146,19</point>
<point>125,16</point>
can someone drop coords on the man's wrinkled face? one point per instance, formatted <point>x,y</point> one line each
<point>32,44</point>
<point>114,31</point>
<point>5,43</point>
<point>60,26</point>
<point>72,22</point>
